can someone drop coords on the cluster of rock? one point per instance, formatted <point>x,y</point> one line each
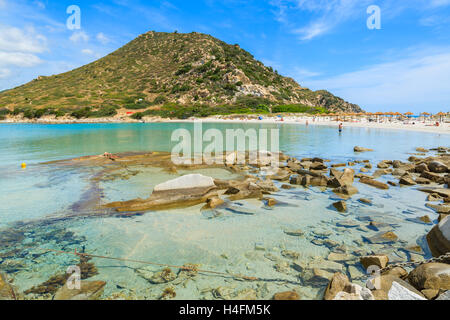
<point>88,290</point>
<point>430,281</point>
<point>194,189</point>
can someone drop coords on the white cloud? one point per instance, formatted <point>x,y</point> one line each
<point>18,49</point>
<point>325,15</point>
<point>87,51</point>
<point>19,59</point>
<point>4,73</point>
<point>313,18</point>
<point>102,38</point>
<point>91,53</point>
<point>79,36</point>
<point>313,30</point>
<point>439,3</point>
<point>416,81</point>
<point>40,4</point>
<point>434,20</point>
<point>17,40</point>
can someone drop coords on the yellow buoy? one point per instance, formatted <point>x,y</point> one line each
<point>24,165</point>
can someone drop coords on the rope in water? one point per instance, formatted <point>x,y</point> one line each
<point>163,265</point>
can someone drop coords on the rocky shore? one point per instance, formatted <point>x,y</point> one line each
<point>418,279</point>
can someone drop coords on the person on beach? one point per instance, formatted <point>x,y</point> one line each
<point>341,127</point>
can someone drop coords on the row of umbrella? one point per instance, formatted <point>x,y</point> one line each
<point>392,114</point>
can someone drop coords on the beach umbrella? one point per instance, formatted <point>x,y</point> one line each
<point>441,115</point>
<point>424,115</point>
<point>409,114</point>
<point>378,114</point>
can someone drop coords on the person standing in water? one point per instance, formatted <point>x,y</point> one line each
<point>341,127</point>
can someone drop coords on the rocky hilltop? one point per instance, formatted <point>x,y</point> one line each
<point>157,69</point>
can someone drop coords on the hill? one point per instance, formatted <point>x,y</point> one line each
<point>169,74</point>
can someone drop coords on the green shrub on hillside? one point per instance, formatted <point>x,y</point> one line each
<point>159,100</point>
<point>81,113</point>
<point>138,105</point>
<point>184,69</point>
<point>103,112</point>
<point>298,108</point>
<point>252,101</point>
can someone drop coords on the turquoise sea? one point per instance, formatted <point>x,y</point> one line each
<point>249,239</point>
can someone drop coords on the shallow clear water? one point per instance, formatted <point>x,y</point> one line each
<point>235,241</point>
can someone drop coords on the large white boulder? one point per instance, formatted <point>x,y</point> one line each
<point>399,292</point>
<point>444,296</point>
<point>190,181</point>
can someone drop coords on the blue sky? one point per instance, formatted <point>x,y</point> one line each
<point>323,44</point>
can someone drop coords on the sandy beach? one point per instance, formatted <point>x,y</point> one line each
<point>411,125</point>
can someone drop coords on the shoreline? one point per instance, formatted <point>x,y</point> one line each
<point>444,128</point>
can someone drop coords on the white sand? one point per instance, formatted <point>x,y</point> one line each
<point>444,128</point>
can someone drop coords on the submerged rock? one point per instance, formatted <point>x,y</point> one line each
<point>361,149</point>
<point>213,203</point>
<point>57,281</point>
<point>271,202</point>
<point>383,237</point>
<point>246,294</point>
<point>346,191</point>
<point>168,293</point>
<point>340,206</point>
<point>89,290</point>
<point>365,201</point>
<point>374,183</point>
<point>380,261</point>
<point>294,233</point>
<point>290,254</point>
<point>7,291</point>
<point>288,295</point>
<point>333,256</point>
<point>163,276</point>
<point>224,293</point>
<point>229,293</point>
<point>348,224</point>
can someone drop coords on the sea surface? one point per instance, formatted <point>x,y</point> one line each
<point>248,239</point>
